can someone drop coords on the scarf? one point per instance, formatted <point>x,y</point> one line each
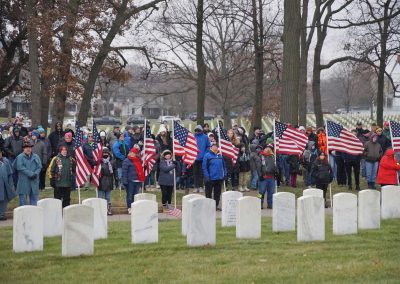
<point>137,164</point>
<point>108,163</point>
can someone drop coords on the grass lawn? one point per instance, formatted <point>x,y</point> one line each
<point>368,257</point>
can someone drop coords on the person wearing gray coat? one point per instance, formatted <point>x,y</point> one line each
<point>39,148</point>
<point>7,192</point>
<point>166,178</point>
<point>28,166</point>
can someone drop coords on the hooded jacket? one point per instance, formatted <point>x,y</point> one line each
<point>13,145</point>
<point>388,167</point>
<point>55,138</point>
<point>203,144</point>
<point>214,167</point>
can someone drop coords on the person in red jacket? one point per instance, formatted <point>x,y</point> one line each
<point>388,167</point>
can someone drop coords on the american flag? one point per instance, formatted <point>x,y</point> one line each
<point>97,153</point>
<point>149,151</point>
<point>227,148</point>
<point>288,140</point>
<point>175,212</point>
<point>395,131</point>
<point>185,144</point>
<point>83,169</point>
<point>342,140</point>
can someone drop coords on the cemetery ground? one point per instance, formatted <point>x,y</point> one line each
<point>371,256</point>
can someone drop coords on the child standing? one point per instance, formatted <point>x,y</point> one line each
<point>166,178</point>
<point>108,170</point>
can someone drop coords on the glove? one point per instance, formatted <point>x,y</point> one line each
<point>175,162</point>
<point>34,176</point>
<point>53,183</point>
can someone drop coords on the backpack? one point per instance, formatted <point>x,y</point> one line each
<point>307,156</point>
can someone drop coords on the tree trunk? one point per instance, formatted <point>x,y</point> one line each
<point>291,62</point>
<point>33,62</point>
<point>302,99</point>
<point>64,65</point>
<point>316,86</point>
<point>226,110</point>
<point>201,67</point>
<point>258,64</point>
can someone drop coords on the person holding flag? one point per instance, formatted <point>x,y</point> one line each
<point>322,173</point>
<point>266,169</point>
<point>214,170</point>
<point>132,176</point>
<point>166,179</point>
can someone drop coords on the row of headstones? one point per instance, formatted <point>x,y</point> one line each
<point>79,225</point>
<point>349,214</point>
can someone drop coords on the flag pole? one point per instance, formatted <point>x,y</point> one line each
<point>327,149</point>
<point>144,150</point>
<point>391,140</point>
<point>173,158</point>
<point>220,150</point>
<point>276,182</point>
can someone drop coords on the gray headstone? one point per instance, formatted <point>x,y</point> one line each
<point>248,219</point>
<point>229,203</point>
<point>390,202</point>
<point>369,209</point>
<point>78,230</point>
<point>52,216</point>
<point>185,211</point>
<point>313,192</point>
<point>99,206</point>
<point>145,196</point>
<point>202,222</point>
<point>284,212</point>
<point>310,219</point>
<point>344,214</point>
<point>144,222</point>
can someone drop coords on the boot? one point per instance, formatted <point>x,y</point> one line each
<point>165,208</point>
<point>109,213</point>
<point>373,185</point>
<point>369,185</point>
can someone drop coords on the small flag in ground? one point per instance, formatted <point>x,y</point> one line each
<point>149,151</point>
<point>83,169</point>
<point>227,148</point>
<point>289,140</point>
<point>395,131</point>
<point>185,144</point>
<point>175,212</point>
<point>97,154</point>
<point>342,140</point>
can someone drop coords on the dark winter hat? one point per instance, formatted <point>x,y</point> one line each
<point>166,152</point>
<point>359,123</point>
<point>27,144</point>
<point>106,150</point>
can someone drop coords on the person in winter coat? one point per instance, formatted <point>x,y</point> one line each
<point>372,154</point>
<point>294,168</point>
<point>215,172</point>
<point>69,143</point>
<point>311,135</point>
<point>103,140</point>
<point>46,141</point>
<point>120,151</point>
<point>322,173</point>
<point>39,148</point>
<point>132,176</point>
<point>7,192</point>
<point>106,183</point>
<point>62,173</point>
<point>309,156</point>
<point>386,130</point>
<point>382,140</point>
<point>203,144</point>
<point>13,144</point>
<point>341,176</point>
<point>322,146</point>
<point>233,169</point>
<point>388,167</point>
<point>254,152</point>
<point>266,169</point>
<point>112,136</point>
<point>55,138</point>
<point>166,178</point>
<point>28,166</point>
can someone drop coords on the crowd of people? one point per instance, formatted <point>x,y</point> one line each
<point>29,155</point>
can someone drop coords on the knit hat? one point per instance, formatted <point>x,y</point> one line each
<point>106,150</point>
<point>198,127</point>
<point>36,134</point>
<point>166,152</point>
<point>68,134</point>
<point>271,146</point>
<point>301,128</point>
<point>41,130</point>
<point>386,123</point>
<point>102,133</point>
<point>134,150</point>
<point>162,129</point>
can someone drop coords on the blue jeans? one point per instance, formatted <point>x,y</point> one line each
<point>131,190</point>
<point>119,174</point>
<point>33,199</point>
<point>266,185</point>
<point>3,207</point>
<point>371,169</point>
<point>332,163</point>
<point>285,168</point>
<point>105,195</point>
<point>254,179</point>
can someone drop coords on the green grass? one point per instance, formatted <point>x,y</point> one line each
<point>369,257</point>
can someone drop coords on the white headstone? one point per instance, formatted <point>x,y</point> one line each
<point>390,202</point>
<point>313,192</point>
<point>369,209</point>
<point>229,202</point>
<point>310,219</point>
<point>344,214</point>
<point>99,206</point>
<point>283,212</point>
<point>185,210</point>
<point>52,216</point>
<point>202,222</point>
<point>145,196</point>
<point>78,230</point>
<point>248,218</point>
<point>28,229</point>
<point>144,222</point>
